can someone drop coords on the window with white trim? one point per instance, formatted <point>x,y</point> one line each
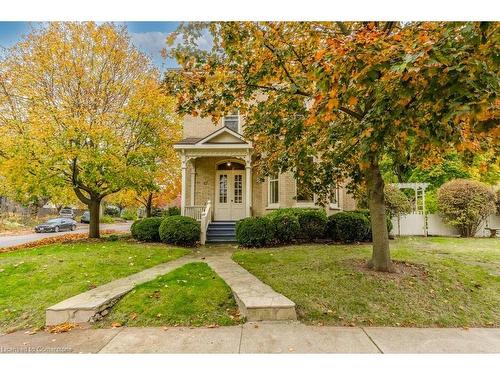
<point>232,121</point>
<point>334,197</point>
<point>303,194</point>
<point>273,190</point>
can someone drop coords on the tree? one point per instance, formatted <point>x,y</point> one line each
<point>347,94</point>
<point>80,106</point>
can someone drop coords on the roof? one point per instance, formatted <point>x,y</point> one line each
<point>189,141</point>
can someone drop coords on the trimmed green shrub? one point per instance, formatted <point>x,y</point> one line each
<point>465,204</point>
<point>348,227</point>
<point>180,230</point>
<point>286,227</point>
<point>147,229</point>
<point>312,222</point>
<point>129,214</point>
<point>112,211</point>
<point>367,215</point>
<point>106,219</point>
<point>254,231</point>
<point>172,211</point>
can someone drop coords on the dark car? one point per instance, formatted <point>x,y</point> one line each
<point>56,225</point>
<point>85,217</point>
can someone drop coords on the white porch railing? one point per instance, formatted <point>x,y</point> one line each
<point>194,211</point>
<point>206,218</point>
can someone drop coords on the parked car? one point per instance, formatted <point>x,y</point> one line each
<point>85,217</point>
<point>56,225</point>
<point>67,212</point>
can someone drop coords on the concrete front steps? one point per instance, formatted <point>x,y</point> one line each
<point>256,300</point>
<point>92,305</point>
<point>221,231</point>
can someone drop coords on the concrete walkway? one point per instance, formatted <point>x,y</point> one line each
<point>262,337</point>
<point>256,300</point>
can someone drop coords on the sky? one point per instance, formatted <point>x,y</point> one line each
<point>149,37</point>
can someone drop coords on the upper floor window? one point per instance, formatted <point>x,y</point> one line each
<point>273,191</point>
<point>232,121</point>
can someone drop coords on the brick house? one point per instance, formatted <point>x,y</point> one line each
<point>218,183</point>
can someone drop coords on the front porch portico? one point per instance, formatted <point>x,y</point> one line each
<point>216,176</point>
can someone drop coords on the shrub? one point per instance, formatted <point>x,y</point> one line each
<point>396,202</point>
<point>286,227</point>
<point>366,213</point>
<point>348,227</point>
<point>180,230</point>
<point>465,204</point>
<point>106,219</point>
<point>254,231</point>
<point>112,211</point>
<point>129,214</point>
<point>312,222</point>
<point>147,229</point>
<point>172,211</point>
<point>498,201</point>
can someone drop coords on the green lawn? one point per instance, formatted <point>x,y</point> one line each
<point>456,282</point>
<point>32,280</point>
<point>192,295</point>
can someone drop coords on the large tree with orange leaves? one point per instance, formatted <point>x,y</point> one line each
<point>347,94</point>
<point>80,106</point>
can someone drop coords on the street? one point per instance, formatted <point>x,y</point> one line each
<point>20,239</point>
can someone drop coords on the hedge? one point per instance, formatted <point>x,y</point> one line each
<point>286,227</point>
<point>348,227</point>
<point>312,222</point>
<point>147,229</point>
<point>180,230</point>
<point>255,231</point>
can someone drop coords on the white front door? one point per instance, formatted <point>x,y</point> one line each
<point>229,195</point>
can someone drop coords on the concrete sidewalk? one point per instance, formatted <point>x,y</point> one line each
<point>262,337</point>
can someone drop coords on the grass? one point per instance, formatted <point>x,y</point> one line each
<point>458,284</point>
<point>34,279</point>
<point>192,295</point>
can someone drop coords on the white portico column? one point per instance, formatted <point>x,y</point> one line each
<point>193,180</point>
<point>184,182</point>
<point>248,190</point>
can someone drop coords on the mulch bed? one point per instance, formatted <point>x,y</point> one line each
<point>402,269</point>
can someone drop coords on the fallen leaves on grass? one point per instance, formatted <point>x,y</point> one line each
<point>116,324</point>
<point>70,237</point>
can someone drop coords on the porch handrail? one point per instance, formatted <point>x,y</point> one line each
<point>206,218</point>
<point>194,211</point>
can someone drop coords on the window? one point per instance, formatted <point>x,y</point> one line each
<point>238,188</point>
<point>223,188</point>
<point>303,194</point>
<point>232,121</point>
<point>335,197</point>
<point>273,191</point>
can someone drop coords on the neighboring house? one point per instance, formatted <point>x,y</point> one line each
<point>217,168</point>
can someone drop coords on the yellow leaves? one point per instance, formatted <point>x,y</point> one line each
<point>366,133</point>
<point>319,55</point>
<point>332,104</point>
<point>352,101</point>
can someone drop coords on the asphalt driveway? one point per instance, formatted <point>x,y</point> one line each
<point>20,239</point>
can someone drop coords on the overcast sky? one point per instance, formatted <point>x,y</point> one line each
<point>149,37</point>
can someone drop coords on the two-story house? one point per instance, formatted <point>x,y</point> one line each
<point>220,186</point>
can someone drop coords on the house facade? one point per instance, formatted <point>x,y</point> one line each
<point>218,180</point>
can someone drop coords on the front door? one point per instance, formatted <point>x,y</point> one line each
<point>229,195</point>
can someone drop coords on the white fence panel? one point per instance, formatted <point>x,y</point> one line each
<point>414,225</point>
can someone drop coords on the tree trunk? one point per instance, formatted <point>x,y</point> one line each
<point>381,257</point>
<point>94,208</point>
<point>149,205</point>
